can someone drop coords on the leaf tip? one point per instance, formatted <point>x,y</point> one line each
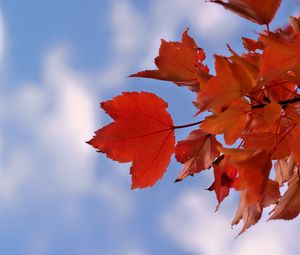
<point>217,207</point>
<point>89,142</point>
<point>177,180</point>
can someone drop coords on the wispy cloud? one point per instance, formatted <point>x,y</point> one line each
<point>136,35</point>
<point>49,172</point>
<point>195,228</point>
<point>57,115</point>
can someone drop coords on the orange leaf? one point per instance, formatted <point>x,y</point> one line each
<point>142,133</point>
<point>231,82</point>
<point>230,122</point>
<point>253,175</point>
<point>253,171</point>
<point>224,174</point>
<point>179,62</point>
<point>295,23</point>
<point>289,205</point>
<point>254,10</point>
<point>267,119</point>
<point>280,90</point>
<point>276,144</point>
<point>284,170</point>
<point>252,213</point>
<point>271,194</point>
<point>293,139</point>
<point>293,113</point>
<point>196,152</point>
<point>280,58</point>
<point>252,45</point>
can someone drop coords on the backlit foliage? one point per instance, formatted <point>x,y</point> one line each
<point>253,101</point>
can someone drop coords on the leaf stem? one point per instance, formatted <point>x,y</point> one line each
<point>188,125</point>
<point>283,103</point>
<point>268,29</point>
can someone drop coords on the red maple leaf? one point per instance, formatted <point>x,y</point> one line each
<point>180,62</point>
<point>142,133</point>
<point>254,10</point>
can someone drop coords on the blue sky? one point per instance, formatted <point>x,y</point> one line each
<point>58,60</point>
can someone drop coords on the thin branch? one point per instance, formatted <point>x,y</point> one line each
<point>188,125</point>
<point>268,29</point>
<point>283,103</point>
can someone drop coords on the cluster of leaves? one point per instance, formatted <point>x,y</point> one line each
<point>254,102</point>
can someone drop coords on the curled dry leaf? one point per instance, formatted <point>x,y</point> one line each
<point>289,205</point>
<point>254,10</point>
<point>284,170</point>
<point>197,152</point>
<point>251,213</point>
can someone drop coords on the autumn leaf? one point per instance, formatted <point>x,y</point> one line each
<point>252,45</point>
<point>252,101</point>
<point>271,194</point>
<point>280,58</point>
<point>179,62</point>
<point>142,133</point>
<point>293,139</point>
<point>231,122</point>
<point>289,205</point>
<point>284,170</point>
<point>277,145</point>
<point>253,169</point>
<point>267,119</point>
<point>254,10</point>
<point>253,175</point>
<point>295,23</point>
<point>281,90</point>
<point>251,213</point>
<point>224,174</point>
<point>220,92</point>
<point>293,111</point>
<point>196,152</point>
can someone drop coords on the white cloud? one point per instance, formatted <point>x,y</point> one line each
<point>2,47</point>
<point>194,227</point>
<point>57,114</point>
<point>134,252</point>
<point>127,40</point>
<point>204,19</point>
<point>13,174</point>
<point>136,36</point>
<point>127,27</point>
<point>68,121</point>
